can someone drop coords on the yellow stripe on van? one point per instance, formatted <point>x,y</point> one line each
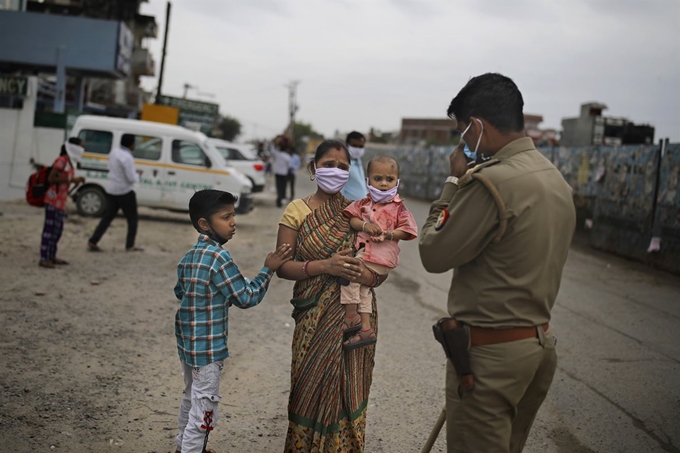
<point>158,164</point>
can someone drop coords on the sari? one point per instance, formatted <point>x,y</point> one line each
<point>329,386</point>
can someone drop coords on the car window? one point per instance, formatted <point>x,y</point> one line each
<point>147,147</point>
<point>96,142</point>
<point>189,153</point>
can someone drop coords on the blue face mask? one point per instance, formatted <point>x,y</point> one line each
<point>469,153</point>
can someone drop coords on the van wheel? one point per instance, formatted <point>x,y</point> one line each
<point>91,202</point>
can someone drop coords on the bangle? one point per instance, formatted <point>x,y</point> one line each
<point>374,283</point>
<point>304,269</point>
<point>392,236</point>
<point>363,227</point>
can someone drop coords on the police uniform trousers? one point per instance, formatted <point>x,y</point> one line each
<point>511,382</point>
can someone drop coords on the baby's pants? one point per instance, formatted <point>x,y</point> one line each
<point>355,293</point>
<point>198,412</point>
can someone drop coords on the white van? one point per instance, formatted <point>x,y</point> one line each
<point>243,158</point>
<point>175,162</point>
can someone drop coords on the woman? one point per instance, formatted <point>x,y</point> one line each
<point>329,387</point>
<point>59,179</point>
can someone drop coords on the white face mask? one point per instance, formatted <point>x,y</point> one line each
<point>74,151</point>
<point>355,153</point>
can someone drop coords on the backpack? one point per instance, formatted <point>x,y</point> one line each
<point>37,186</point>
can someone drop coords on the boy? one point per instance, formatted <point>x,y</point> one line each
<point>208,282</point>
<point>381,220</point>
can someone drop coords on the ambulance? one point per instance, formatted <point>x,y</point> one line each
<point>175,163</point>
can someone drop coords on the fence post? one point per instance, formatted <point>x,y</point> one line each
<point>657,178</point>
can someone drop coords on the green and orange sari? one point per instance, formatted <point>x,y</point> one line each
<point>329,387</point>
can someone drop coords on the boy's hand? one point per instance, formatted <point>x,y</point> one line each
<point>379,238</point>
<point>373,230</point>
<point>279,256</point>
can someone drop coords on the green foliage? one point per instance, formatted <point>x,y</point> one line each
<point>302,134</point>
<point>230,127</point>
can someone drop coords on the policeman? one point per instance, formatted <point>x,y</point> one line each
<point>505,227</point>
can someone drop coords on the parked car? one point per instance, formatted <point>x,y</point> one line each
<point>243,158</point>
<point>175,162</point>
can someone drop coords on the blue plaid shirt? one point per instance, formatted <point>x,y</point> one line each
<point>208,282</point>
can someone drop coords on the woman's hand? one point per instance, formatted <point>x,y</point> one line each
<point>343,265</point>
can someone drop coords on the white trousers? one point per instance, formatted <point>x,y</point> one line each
<point>198,411</point>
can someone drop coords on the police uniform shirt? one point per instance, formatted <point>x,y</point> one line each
<point>512,282</point>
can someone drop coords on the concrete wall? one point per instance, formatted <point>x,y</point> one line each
<point>614,193</point>
<point>20,142</point>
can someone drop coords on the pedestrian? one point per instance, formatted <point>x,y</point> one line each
<point>120,194</point>
<point>59,180</point>
<point>281,166</point>
<point>329,386</point>
<point>355,189</point>
<point>292,171</point>
<point>208,283</point>
<point>505,226</point>
<point>381,220</point>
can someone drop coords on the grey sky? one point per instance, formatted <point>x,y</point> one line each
<point>368,63</point>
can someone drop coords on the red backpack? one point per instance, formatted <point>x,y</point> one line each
<point>37,186</point>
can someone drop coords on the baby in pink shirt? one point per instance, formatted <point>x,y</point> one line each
<point>382,221</point>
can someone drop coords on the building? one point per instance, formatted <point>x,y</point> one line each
<point>89,55</point>
<point>541,137</point>
<point>428,131</point>
<point>592,128</point>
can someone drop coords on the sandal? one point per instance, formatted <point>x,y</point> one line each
<point>363,338</point>
<point>47,263</point>
<point>93,247</point>
<point>351,325</point>
<point>60,262</point>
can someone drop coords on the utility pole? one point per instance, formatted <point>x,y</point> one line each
<point>165,44</point>
<point>292,105</point>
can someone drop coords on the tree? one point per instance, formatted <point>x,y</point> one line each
<point>302,134</point>
<point>230,127</point>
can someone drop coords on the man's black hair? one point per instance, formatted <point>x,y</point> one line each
<point>354,135</point>
<point>492,97</point>
<point>206,202</point>
<point>383,159</point>
<point>127,140</point>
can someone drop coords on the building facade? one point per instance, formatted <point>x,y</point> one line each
<point>592,128</point>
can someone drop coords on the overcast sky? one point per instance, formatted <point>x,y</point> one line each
<point>369,63</point>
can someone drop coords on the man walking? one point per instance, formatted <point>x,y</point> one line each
<point>505,226</point>
<point>356,188</point>
<point>120,194</point>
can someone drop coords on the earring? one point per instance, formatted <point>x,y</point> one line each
<point>312,177</point>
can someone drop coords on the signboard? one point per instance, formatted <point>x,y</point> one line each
<point>160,114</point>
<point>13,85</point>
<point>190,111</point>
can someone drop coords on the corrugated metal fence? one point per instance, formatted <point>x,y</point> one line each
<point>624,195</point>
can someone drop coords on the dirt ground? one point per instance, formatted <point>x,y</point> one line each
<point>88,361</point>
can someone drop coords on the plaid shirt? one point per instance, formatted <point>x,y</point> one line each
<point>208,282</point>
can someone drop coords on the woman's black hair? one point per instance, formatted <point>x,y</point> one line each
<point>204,203</point>
<point>73,140</point>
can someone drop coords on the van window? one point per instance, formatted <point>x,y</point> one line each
<point>231,153</point>
<point>96,142</point>
<point>189,153</point>
<point>147,147</point>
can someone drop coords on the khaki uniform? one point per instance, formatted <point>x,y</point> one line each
<point>508,256</point>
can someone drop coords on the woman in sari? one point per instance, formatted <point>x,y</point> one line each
<point>329,386</point>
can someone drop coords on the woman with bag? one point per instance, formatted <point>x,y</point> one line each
<point>59,180</point>
<point>329,386</point>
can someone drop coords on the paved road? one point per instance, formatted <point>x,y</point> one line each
<point>617,388</point>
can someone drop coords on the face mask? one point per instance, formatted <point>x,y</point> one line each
<point>382,196</point>
<point>331,180</point>
<point>467,150</point>
<point>214,236</point>
<point>74,151</point>
<point>355,153</point>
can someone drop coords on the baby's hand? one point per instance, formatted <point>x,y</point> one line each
<point>276,258</point>
<point>379,238</point>
<point>373,230</point>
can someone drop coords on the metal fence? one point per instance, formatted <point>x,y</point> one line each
<point>624,195</point>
